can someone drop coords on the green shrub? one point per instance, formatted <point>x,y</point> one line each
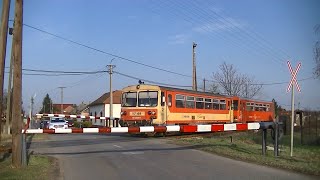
<point>86,124</point>
<point>77,124</point>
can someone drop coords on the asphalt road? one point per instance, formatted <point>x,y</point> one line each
<point>96,156</point>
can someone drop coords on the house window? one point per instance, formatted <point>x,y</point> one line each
<point>199,103</point>
<point>180,103</point>
<point>190,102</point>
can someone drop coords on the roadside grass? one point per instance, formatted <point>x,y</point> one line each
<point>39,167</point>
<point>246,146</point>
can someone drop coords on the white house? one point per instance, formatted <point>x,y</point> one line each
<point>100,107</point>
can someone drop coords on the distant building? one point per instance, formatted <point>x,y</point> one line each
<point>83,109</point>
<point>100,107</point>
<point>66,108</point>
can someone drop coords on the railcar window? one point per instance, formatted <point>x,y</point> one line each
<point>208,103</point>
<point>250,106</point>
<point>148,99</point>
<point>268,107</point>
<point>223,105</point>
<point>180,102</point>
<point>129,99</point>
<point>216,104</point>
<point>264,108</point>
<point>235,104</point>
<point>190,102</point>
<point>199,103</point>
<point>169,100</point>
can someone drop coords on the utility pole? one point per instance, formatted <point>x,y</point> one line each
<point>110,71</point>
<point>17,84</point>
<point>3,48</point>
<point>194,69</point>
<point>9,96</point>
<point>61,99</point>
<point>204,85</point>
<point>31,107</point>
<point>51,106</point>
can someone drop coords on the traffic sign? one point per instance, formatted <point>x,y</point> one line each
<point>294,73</point>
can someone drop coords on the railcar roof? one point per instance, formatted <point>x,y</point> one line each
<point>196,92</point>
<point>201,93</point>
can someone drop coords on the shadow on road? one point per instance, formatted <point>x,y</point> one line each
<point>128,150</point>
<point>85,141</point>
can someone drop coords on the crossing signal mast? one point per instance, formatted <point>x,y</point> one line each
<point>293,82</point>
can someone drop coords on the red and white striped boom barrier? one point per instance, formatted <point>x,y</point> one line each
<point>72,116</point>
<point>150,129</point>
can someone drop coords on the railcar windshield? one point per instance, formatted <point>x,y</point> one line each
<point>129,99</point>
<point>148,99</point>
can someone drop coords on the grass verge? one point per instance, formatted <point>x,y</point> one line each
<point>246,146</point>
<point>39,167</point>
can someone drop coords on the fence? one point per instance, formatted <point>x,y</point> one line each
<point>306,127</point>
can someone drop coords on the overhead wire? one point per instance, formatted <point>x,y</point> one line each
<point>259,36</point>
<point>104,52</point>
<point>145,80</point>
<point>230,26</point>
<point>204,27</point>
<point>201,18</point>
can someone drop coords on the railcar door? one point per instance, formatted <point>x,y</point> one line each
<point>230,107</point>
<point>235,107</point>
<point>163,104</point>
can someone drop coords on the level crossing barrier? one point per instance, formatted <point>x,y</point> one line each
<point>155,129</point>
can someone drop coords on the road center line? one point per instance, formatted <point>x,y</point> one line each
<point>117,146</point>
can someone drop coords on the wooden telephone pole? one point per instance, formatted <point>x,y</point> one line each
<point>3,47</point>
<point>61,106</point>
<point>17,84</point>
<point>194,69</point>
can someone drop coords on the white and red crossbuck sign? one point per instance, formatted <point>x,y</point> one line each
<point>293,76</point>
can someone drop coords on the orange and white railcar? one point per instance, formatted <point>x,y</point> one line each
<point>158,105</point>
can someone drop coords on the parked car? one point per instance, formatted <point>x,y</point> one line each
<point>44,124</point>
<point>58,123</point>
<point>70,122</point>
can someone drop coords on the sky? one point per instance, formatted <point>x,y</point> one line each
<point>258,37</point>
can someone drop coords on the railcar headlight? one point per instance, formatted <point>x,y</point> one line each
<point>153,113</point>
<point>123,112</point>
<point>149,112</point>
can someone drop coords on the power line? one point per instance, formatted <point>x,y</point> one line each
<point>165,84</point>
<point>104,52</point>
<point>202,18</point>
<point>145,80</point>
<point>262,42</point>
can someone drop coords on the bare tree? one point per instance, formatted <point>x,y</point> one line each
<point>317,52</point>
<point>213,88</point>
<point>234,83</point>
<point>250,88</point>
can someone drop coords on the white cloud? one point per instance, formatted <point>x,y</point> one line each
<point>226,24</point>
<point>178,39</point>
